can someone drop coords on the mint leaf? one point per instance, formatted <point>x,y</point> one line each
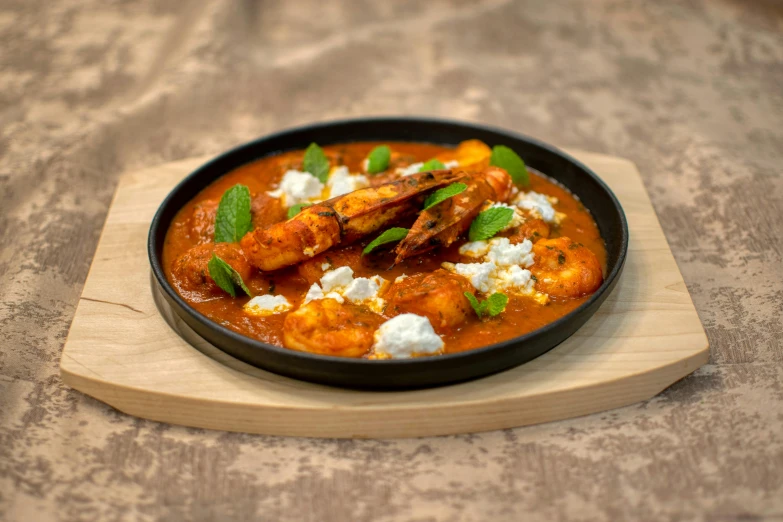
<point>316,163</point>
<point>225,276</point>
<point>433,164</point>
<point>490,222</point>
<point>233,219</point>
<point>496,303</point>
<point>389,236</point>
<point>492,306</point>
<point>443,194</point>
<point>294,210</point>
<point>509,160</point>
<point>378,160</point>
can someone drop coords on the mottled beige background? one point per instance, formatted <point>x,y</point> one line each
<point>692,91</point>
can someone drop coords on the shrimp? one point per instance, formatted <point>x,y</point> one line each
<point>564,268</point>
<point>443,223</point>
<point>327,327</point>
<point>532,228</point>
<point>264,211</point>
<point>313,269</point>
<point>439,296</point>
<point>190,273</point>
<point>340,220</point>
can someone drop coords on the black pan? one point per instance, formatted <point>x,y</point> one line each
<point>408,373</point>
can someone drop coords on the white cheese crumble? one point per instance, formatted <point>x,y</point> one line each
<point>339,284</point>
<point>410,170</point>
<point>474,249</point>
<point>341,181</point>
<point>400,278</point>
<point>453,164</point>
<point>405,336</point>
<point>297,187</point>
<point>263,305</point>
<point>504,267</point>
<point>365,164</point>
<point>325,266</point>
<point>315,292</point>
<point>338,277</point>
<point>503,253</point>
<point>539,205</point>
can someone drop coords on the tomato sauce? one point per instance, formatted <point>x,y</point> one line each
<point>522,314</point>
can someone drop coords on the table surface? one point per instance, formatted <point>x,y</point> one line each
<point>690,91</point>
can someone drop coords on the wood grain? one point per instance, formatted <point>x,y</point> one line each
<point>127,349</point>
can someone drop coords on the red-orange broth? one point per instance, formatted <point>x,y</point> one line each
<point>522,314</point>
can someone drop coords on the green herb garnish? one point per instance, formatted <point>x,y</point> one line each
<point>389,236</point>
<point>316,163</point>
<point>509,160</point>
<point>491,306</point>
<point>294,210</point>
<point>433,164</point>
<point>378,160</point>
<point>225,276</point>
<point>490,222</point>
<point>233,219</point>
<point>443,194</point>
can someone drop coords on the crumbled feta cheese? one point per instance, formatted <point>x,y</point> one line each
<point>453,164</point>
<point>297,187</point>
<point>405,336</point>
<point>342,182</point>
<point>516,277</point>
<point>474,249</point>
<point>338,277</point>
<point>400,278</point>
<point>503,253</point>
<point>366,291</point>
<point>264,305</point>
<point>315,292</point>
<point>365,164</point>
<point>340,285</point>
<point>538,204</point>
<point>361,289</point>
<point>334,295</point>
<point>410,170</point>
<point>477,273</point>
<point>325,266</point>
<point>310,251</point>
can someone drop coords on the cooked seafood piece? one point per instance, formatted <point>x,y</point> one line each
<point>341,220</point>
<point>439,296</point>
<point>443,223</point>
<point>565,268</point>
<point>191,275</point>
<point>328,327</point>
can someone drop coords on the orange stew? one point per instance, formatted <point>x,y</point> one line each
<point>566,267</point>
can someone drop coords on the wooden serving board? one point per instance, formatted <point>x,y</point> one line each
<point>128,349</point>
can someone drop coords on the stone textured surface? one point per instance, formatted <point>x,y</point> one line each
<point>692,91</point>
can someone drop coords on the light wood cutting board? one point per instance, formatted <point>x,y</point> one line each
<point>126,348</point>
